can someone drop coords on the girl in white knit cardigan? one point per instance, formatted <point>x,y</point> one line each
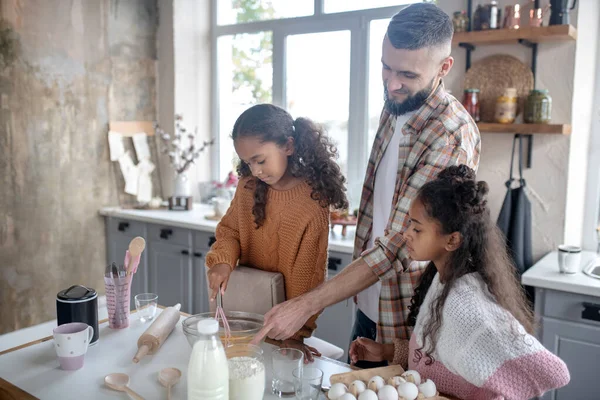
<point>472,322</point>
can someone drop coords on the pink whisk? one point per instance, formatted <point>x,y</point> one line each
<point>220,314</point>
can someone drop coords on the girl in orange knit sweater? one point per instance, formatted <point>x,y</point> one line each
<point>278,220</point>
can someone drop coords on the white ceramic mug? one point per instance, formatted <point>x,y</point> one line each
<point>71,342</point>
<point>569,259</point>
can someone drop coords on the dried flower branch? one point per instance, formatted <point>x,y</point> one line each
<point>181,148</point>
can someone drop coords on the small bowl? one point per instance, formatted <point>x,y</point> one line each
<point>243,326</point>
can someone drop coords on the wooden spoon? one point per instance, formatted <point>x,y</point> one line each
<point>119,383</point>
<point>169,377</point>
<point>136,247</point>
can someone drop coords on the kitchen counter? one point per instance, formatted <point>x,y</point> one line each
<point>545,275</point>
<point>35,369</point>
<point>195,219</point>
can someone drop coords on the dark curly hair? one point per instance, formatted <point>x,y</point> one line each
<point>458,202</point>
<point>313,158</point>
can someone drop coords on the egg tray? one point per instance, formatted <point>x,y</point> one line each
<point>366,374</point>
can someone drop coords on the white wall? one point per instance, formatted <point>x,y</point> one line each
<point>193,75</point>
<point>586,58</point>
<point>184,79</point>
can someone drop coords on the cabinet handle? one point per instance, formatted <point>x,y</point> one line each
<point>165,233</point>
<point>197,254</point>
<point>333,263</point>
<point>123,226</point>
<point>591,311</point>
<point>185,252</point>
<point>211,240</point>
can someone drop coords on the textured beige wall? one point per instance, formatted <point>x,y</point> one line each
<point>80,64</point>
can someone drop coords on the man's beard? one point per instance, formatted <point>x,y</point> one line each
<point>411,103</point>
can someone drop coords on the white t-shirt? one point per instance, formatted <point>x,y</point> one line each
<point>383,195</point>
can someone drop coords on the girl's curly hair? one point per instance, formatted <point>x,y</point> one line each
<point>313,158</point>
<point>457,201</point>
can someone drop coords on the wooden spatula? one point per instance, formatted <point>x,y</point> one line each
<point>136,247</point>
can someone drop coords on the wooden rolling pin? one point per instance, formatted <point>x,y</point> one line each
<point>155,335</point>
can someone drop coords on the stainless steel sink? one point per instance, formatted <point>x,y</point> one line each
<point>593,268</point>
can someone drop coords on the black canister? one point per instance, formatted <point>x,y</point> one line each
<point>78,304</point>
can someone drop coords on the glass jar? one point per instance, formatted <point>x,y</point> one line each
<point>471,103</point>
<point>456,22</point>
<point>460,21</point>
<point>506,107</point>
<point>464,21</point>
<point>247,378</point>
<point>538,107</point>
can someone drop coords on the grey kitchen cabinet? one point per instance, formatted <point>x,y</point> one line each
<point>170,269</point>
<point>170,265</point>
<point>334,325</point>
<point>202,243</point>
<point>119,233</point>
<point>578,346</point>
<point>570,328</point>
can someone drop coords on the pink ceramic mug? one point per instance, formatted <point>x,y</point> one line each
<point>71,342</point>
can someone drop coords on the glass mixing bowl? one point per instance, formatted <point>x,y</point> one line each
<point>243,326</point>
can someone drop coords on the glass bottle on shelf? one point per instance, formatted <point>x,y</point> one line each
<point>471,103</point>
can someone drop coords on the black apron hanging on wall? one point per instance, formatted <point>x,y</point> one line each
<point>515,217</point>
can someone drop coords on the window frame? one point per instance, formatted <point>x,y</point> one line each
<point>358,23</point>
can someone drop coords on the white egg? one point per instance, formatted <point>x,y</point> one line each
<point>336,391</point>
<point>368,395</point>
<point>376,383</point>
<point>412,376</point>
<point>387,392</point>
<point>395,380</point>
<point>408,391</point>
<point>347,396</point>
<point>428,388</point>
<point>357,387</point>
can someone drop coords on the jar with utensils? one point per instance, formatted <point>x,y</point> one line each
<point>538,107</point>
<point>471,103</point>
<point>506,107</point>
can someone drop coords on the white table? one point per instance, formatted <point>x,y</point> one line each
<point>35,368</point>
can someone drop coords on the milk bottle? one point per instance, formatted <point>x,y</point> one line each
<point>208,372</point>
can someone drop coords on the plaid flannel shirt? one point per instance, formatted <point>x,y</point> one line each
<point>442,134</point>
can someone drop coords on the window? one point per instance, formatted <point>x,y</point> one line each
<point>320,59</point>
<point>333,6</point>
<point>245,78</point>
<point>376,34</point>
<point>305,80</point>
<point>240,11</point>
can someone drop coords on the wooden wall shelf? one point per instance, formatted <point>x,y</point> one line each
<point>552,33</point>
<point>525,129</point>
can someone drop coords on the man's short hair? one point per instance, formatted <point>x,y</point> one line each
<point>420,25</point>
